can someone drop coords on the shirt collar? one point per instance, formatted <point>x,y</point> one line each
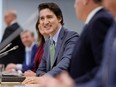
<point>30,48</point>
<point>92,13</point>
<point>14,21</point>
<point>55,37</point>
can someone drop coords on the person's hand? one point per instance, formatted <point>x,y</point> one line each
<point>32,80</point>
<point>50,81</point>
<point>29,73</point>
<point>62,80</point>
<point>43,81</point>
<point>10,67</point>
<point>65,80</point>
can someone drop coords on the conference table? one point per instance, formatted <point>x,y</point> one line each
<point>14,80</point>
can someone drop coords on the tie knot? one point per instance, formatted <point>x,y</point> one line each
<point>52,41</point>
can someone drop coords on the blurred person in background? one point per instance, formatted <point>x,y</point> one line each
<point>88,54</point>
<point>42,35</point>
<point>106,76</point>
<point>16,56</point>
<point>31,47</point>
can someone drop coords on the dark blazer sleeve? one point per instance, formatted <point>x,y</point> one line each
<point>65,59</point>
<point>98,33</point>
<point>99,29</point>
<point>101,79</point>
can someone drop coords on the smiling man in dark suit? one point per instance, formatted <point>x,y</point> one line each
<point>61,41</point>
<point>60,44</point>
<point>17,55</point>
<point>87,56</point>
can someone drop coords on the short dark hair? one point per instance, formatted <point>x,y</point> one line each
<point>98,1</point>
<point>40,36</point>
<point>54,8</point>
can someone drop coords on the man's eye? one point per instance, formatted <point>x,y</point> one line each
<point>41,18</point>
<point>49,17</point>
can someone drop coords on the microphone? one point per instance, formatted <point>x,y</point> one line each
<point>5,47</point>
<point>6,52</point>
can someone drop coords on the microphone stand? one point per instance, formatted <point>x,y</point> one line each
<point>5,47</point>
<point>6,52</point>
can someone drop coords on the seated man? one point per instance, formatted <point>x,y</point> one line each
<point>27,38</point>
<point>59,46</point>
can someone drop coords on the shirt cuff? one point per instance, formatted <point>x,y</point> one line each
<point>19,66</point>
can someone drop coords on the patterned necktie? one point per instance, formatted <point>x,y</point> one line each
<point>52,52</point>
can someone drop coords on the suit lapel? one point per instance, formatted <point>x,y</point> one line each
<point>59,44</point>
<point>48,55</point>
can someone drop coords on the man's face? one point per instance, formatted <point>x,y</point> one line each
<point>49,21</point>
<point>111,5</point>
<point>8,18</point>
<point>27,39</point>
<point>79,8</point>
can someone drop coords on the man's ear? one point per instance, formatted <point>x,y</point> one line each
<point>59,19</point>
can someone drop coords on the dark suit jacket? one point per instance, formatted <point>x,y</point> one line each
<point>106,76</point>
<point>87,55</point>
<point>26,67</point>
<point>17,55</point>
<point>111,58</point>
<point>64,48</point>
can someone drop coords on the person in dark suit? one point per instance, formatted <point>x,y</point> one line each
<point>60,44</point>
<point>31,47</point>
<point>87,56</point>
<point>106,76</point>
<point>63,40</point>
<point>13,56</point>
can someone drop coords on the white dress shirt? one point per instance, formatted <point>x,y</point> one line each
<point>14,21</point>
<point>55,37</point>
<point>92,13</point>
<point>28,53</point>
